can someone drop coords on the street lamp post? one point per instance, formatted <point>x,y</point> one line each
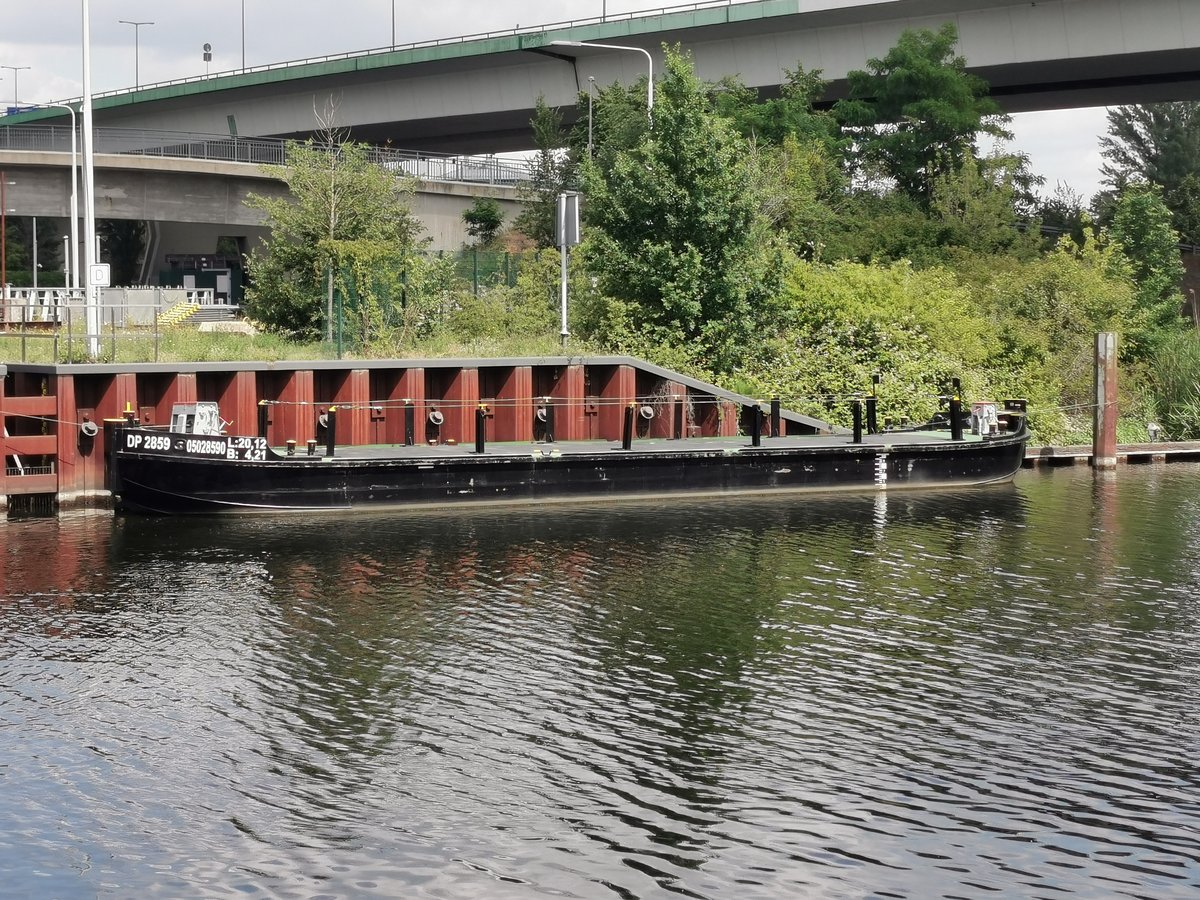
<point>642,50</point>
<point>137,28</point>
<point>89,189</point>
<point>591,85</point>
<point>15,70</point>
<point>73,268</point>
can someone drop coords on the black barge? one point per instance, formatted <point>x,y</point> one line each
<point>178,470</point>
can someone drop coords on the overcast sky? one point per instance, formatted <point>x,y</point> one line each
<point>46,36</point>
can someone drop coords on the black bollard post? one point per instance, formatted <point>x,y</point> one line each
<point>627,430</point>
<point>756,423</point>
<point>857,410</point>
<point>410,423</point>
<point>873,406</point>
<point>549,423</point>
<point>776,417</point>
<point>331,431</point>
<point>291,446</point>
<point>956,428</point>
<point>262,418</point>
<point>480,427</point>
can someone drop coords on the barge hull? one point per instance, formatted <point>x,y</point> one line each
<point>161,483</point>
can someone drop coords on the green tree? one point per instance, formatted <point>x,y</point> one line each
<point>801,190</point>
<point>552,170</point>
<point>1141,227</point>
<point>619,123</point>
<point>483,220</point>
<point>1157,143</point>
<point>790,115</point>
<point>915,113</point>
<point>978,208</point>
<point>1184,203</point>
<point>676,238</point>
<point>1063,213</point>
<point>345,216</point>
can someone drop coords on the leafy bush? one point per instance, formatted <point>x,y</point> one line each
<point>846,322</point>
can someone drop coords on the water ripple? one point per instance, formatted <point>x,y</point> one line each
<point>943,695</point>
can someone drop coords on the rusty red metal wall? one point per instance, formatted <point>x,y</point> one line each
<point>43,411</point>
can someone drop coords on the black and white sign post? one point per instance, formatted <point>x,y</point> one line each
<point>567,235</point>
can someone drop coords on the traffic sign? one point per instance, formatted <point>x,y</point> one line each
<point>99,275</point>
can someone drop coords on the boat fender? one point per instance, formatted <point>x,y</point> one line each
<point>89,429</point>
<point>647,412</point>
<point>436,418</point>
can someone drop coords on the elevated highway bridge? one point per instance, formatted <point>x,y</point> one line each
<point>477,93</point>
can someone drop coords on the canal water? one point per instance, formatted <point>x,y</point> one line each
<point>970,694</point>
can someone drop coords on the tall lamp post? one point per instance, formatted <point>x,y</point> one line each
<point>74,259</point>
<point>15,70</point>
<point>137,28</point>
<point>89,190</point>
<point>591,86</point>
<point>642,50</point>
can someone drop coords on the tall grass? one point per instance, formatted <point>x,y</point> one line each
<point>186,345</point>
<point>1174,385</point>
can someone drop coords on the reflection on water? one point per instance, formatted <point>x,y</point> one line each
<point>944,694</point>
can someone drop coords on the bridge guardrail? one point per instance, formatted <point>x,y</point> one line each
<point>262,152</point>
<point>434,42</point>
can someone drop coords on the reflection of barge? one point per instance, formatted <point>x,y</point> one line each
<point>183,470</point>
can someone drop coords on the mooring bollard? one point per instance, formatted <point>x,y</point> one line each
<point>262,418</point>
<point>291,447</point>
<point>857,411</point>
<point>776,417</point>
<point>410,423</point>
<point>1104,414</point>
<point>956,428</point>
<point>873,406</point>
<point>331,431</point>
<point>312,447</point>
<point>756,422</point>
<point>480,427</point>
<point>627,429</point>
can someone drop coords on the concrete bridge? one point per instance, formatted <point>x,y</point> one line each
<point>190,203</point>
<point>477,93</point>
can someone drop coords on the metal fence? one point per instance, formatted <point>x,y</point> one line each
<point>489,169</point>
<point>59,332</point>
